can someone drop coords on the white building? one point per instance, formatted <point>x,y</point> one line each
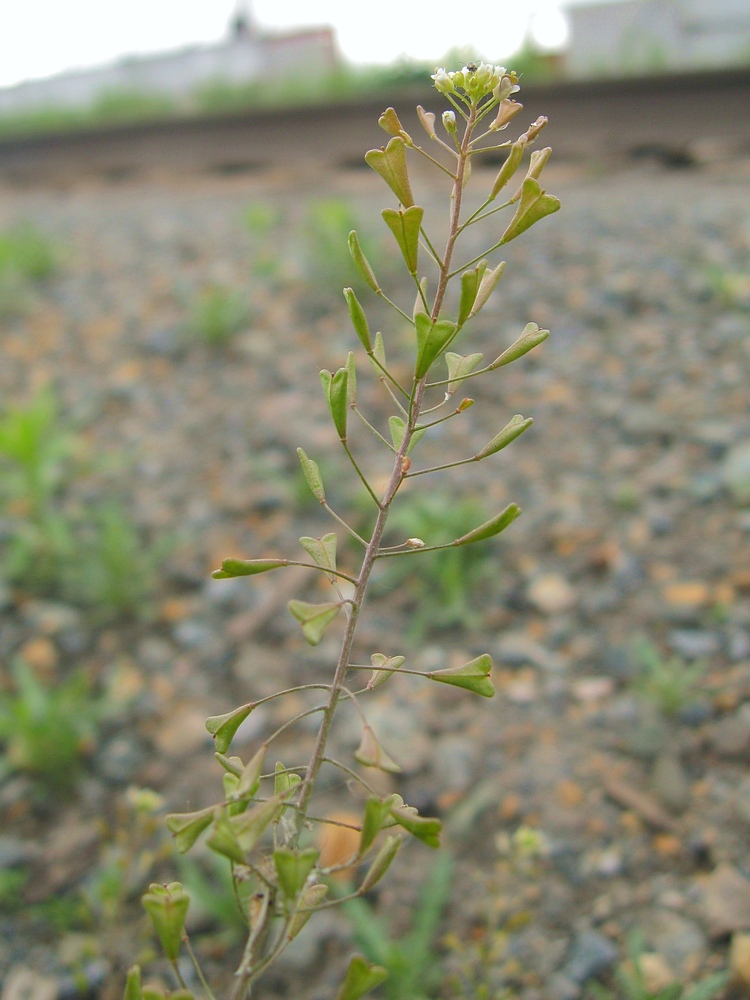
<point>244,56</point>
<point>646,36</point>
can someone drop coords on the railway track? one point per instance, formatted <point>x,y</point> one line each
<point>679,119</point>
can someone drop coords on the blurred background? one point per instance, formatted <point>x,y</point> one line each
<point>177,186</point>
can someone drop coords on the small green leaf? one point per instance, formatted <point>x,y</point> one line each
<point>432,339</point>
<point>167,905</point>
<point>361,977</point>
<point>371,753</point>
<point>473,676</point>
<point>246,567</point>
<point>508,168</point>
<point>423,828</point>
<point>377,812</point>
<point>314,618</point>
<point>292,869</point>
<point>322,551</point>
<point>492,527</point>
<point>385,667</point>
<point>187,827</point>
<point>311,897</point>
<point>311,472</point>
<point>361,262</point>
<point>459,366</point>
<point>529,339</point>
<point>405,226</point>
<point>534,205</point>
<point>223,727</point>
<point>358,318</point>
<point>513,429</point>
<point>382,863</point>
<point>487,286</point>
<point>133,984</point>
<point>390,163</point>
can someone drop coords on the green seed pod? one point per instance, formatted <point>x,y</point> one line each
<point>390,163</point>
<point>361,262</point>
<point>513,429</point>
<point>358,318</point>
<point>311,472</point>
<point>167,905</point>
<point>508,168</point>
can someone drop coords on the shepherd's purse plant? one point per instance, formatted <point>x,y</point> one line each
<point>265,822</point>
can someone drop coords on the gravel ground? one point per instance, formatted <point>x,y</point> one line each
<point>617,609</point>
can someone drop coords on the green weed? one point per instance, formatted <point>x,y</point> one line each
<point>217,315</point>
<point>46,730</point>
<point>631,981</point>
<point>411,959</point>
<point>669,684</point>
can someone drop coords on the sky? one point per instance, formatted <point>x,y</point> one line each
<point>41,37</point>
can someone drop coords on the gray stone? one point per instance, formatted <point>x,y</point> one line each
<point>517,649</point>
<point>735,472</point>
<point>694,643</point>
<point>591,955</point>
<point>670,782</point>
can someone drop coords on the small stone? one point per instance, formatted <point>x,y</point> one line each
<point>23,983</point>
<point>725,901</point>
<point>739,959</point>
<point>735,472</point>
<point>675,938</point>
<point>730,737</point>
<point>591,955</point>
<point>670,782</point>
<point>654,970</point>
<point>694,643</point>
<point>50,617</point>
<point>517,649</point>
<point>551,594</point>
<point>182,732</point>
<point>689,595</point>
<point>592,689</point>
<point>40,654</point>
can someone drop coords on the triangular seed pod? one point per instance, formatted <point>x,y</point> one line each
<point>223,727</point>
<point>432,339</point>
<point>459,366</point>
<point>423,828</point>
<point>187,827</point>
<point>231,568</point>
<point>405,226</point>
<point>381,864</point>
<point>361,262</point>
<point>534,205</point>
<point>472,676</point>
<point>311,472</point>
<point>492,527</point>
<point>314,618</point>
<point>361,977</point>
<point>371,753</point>
<point>427,121</point>
<point>292,869</point>
<point>385,667</point>
<point>311,897</point>
<point>508,169</point>
<point>167,906</point>
<point>487,287</point>
<point>377,812</point>
<point>390,163</point>
<point>358,318</point>
<point>529,339</point>
<point>513,429</point>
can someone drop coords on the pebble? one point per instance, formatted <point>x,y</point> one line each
<point>591,955</point>
<point>735,472</point>
<point>670,782</point>
<point>551,594</point>
<point>725,901</point>
<point>517,649</point>
<point>694,644</point>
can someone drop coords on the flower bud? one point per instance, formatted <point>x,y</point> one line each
<point>443,81</point>
<point>449,122</point>
<point>415,543</point>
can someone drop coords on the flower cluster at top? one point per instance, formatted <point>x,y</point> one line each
<point>477,82</point>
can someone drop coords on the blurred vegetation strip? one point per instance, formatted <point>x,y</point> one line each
<point>217,96</point>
